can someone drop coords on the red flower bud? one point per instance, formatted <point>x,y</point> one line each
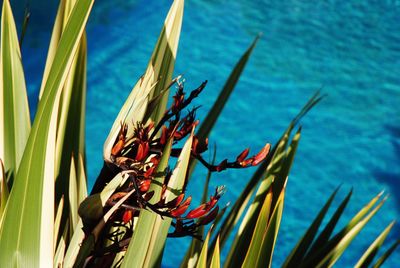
<point>261,155</point>
<point>222,165</point>
<point>197,212</point>
<point>155,160</point>
<point>178,211</point>
<point>212,202</point>
<point>143,151</point>
<point>127,216</point>
<point>176,201</point>
<point>209,217</point>
<point>187,201</point>
<point>247,162</point>
<point>149,172</point>
<point>117,147</point>
<point>199,146</point>
<point>164,134</point>
<point>144,185</point>
<point>149,127</point>
<point>242,156</point>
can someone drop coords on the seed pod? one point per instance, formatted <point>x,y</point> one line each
<point>91,208</point>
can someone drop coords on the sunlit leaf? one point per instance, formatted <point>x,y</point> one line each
<point>14,110</point>
<point>157,76</point>
<point>28,217</point>
<point>3,190</point>
<point>368,256</point>
<point>147,245</point>
<point>215,260</point>
<point>202,262</point>
<point>386,255</point>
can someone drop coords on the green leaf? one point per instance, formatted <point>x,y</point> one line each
<point>147,245</point>
<point>215,261</point>
<point>260,229</point>
<point>369,254</point>
<point>3,190</point>
<point>74,245</point>
<point>156,78</point>
<point>386,255</point>
<point>326,233</point>
<point>218,106</point>
<point>223,97</point>
<point>194,249</point>
<point>314,257</point>
<point>15,122</point>
<point>28,217</point>
<point>275,178</point>
<point>90,241</point>
<point>60,251</point>
<point>57,221</point>
<point>305,242</point>
<point>269,241</point>
<point>73,197</point>
<point>334,254</point>
<point>202,262</point>
<point>276,154</point>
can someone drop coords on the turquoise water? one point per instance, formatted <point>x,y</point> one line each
<point>349,48</point>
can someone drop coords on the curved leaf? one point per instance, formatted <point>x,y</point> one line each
<point>15,122</point>
<point>28,218</point>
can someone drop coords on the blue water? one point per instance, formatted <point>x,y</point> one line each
<point>349,48</point>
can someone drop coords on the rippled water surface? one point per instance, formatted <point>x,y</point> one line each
<point>351,49</point>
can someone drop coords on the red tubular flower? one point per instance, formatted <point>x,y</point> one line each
<point>242,156</point>
<point>178,211</point>
<point>177,201</point>
<point>222,165</point>
<point>144,185</point>
<point>209,217</point>
<point>212,202</point>
<point>246,162</point>
<point>127,216</point>
<point>142,151</point>
<point>149,172</point>
<point>199,146</point>
<point>155,160</point>
<point>187,201</point>
<point>120,143</point>
<point>197,212</point>
<point>164,135</point>
<point>261,155</point>
<point>149,127</point>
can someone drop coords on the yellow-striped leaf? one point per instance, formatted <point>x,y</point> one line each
<point>14,110</point>
<point>147,245</point>
<point>29,214</point>
<point>157,76</point>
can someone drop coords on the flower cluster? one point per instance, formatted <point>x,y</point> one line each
<point>139,154</point>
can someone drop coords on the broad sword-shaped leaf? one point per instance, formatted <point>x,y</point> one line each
<point>15,123</point>
<point>29,214</point>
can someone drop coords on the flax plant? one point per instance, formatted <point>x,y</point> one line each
<point>139,200</point>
